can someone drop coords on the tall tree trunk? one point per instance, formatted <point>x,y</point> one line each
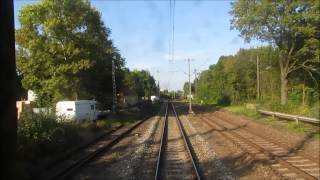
<point>271,87</point>
<point>284,88</point>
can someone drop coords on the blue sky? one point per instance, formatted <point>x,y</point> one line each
<point>142,31</point>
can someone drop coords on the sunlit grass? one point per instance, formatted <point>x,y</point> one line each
<point>300,128</point>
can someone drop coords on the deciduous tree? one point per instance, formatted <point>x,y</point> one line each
<point>64,50</point>
<point>292,26</point>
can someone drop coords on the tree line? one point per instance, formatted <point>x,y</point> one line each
<point>64,52</point>
<point>288,68</point>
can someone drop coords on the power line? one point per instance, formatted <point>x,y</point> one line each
<point>204,63</point>
<point>169,79</point>
<point>174,4</point>
<point>172,29</point>
<point>179,68</point>
<point>170,24</point>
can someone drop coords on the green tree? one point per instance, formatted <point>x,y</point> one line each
<point>140,82</point>
<point>63,50</point>
<point>292,26</point>
<point>234,77</point>
<point>186,88</point>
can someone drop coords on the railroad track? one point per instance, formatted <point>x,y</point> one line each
<point>270,139</point>
<point>67,166</point>
<point>175,158</point>
<point>285,163</point>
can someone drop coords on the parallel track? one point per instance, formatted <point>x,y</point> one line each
<point>285,164</point>
<point>175,158</point>
<point>69,165</point>
<point>270,139</point>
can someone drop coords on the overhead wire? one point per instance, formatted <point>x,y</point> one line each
<point>172,38</point>
<point>171,32</point>
<point>171,55</point>
<point>169,38</point>
<point>173,15</point>
<point>204,63</point>
<point>170,25</point>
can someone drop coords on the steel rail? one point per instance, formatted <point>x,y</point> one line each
<point>160,154</point>
<point>271,155</point>
<point>187,144</point>
<point>273,140</point>
<point>68,171</point>
<point>257,147</point>
<point>66,156</point>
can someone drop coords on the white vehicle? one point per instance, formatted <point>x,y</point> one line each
<point>77,110</point>
<point>154,98</point>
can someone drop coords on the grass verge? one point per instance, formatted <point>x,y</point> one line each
<point>301,128</point>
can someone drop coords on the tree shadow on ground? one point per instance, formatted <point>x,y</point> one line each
<point>241,164</point>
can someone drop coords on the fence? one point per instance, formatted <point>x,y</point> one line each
<point>290,117</point>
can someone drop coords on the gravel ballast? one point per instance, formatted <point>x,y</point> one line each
<point>123,160</point>
<point>210,165</point>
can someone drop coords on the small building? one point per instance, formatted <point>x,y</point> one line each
<point>81,110</point>
<point>31,96</point>
<point>189,96</point>
<point>128,98</point>
<point>21,106</point>
<point>154,98</point>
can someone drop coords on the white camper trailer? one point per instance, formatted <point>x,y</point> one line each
<point>154,99</point>
<point>77,110</point>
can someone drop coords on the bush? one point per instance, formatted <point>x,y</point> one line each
<point>292,108</point>
<point>224,100</point>
<point>40,134</point>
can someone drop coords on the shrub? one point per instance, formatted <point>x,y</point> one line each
<point>292,108</point>
<point>40,134</point>
<point>224,100</point>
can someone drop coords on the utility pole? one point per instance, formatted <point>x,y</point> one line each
<point>158,89</point>
<point>158,84</point>
<point>195,82</point>
<point>114,86</point>
<point>190,100</point>
<point>258,79</point>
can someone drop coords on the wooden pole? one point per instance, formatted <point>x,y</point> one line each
<point>258,79</point>
<point>190,94</point>
<point>195,82</point>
